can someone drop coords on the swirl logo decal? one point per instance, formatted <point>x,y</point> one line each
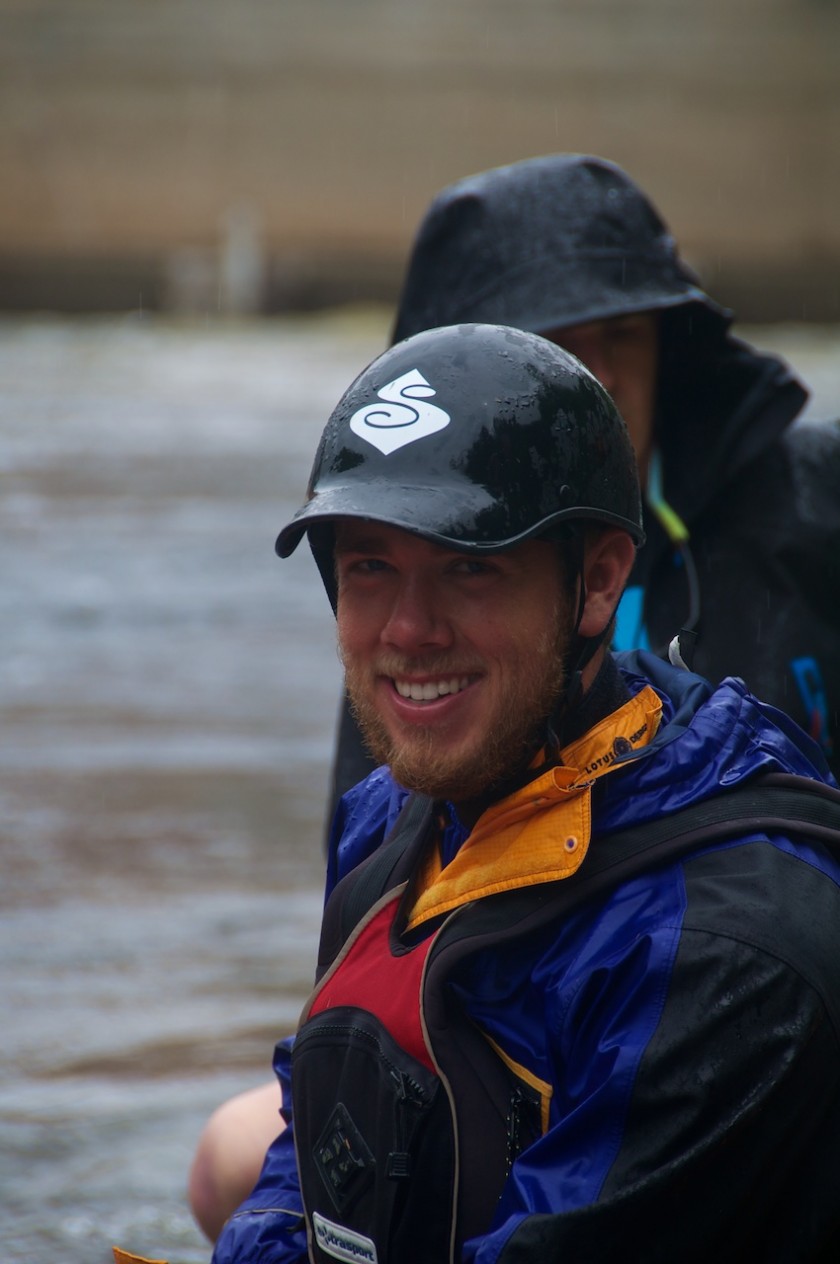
<point>402,416</point>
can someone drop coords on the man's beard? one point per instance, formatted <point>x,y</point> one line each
<point>515,731</point>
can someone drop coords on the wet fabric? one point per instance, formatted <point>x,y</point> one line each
<point>687,1025</point>
<point>553,241</point>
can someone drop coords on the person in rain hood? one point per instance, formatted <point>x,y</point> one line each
<point>578,987</point>
<point>741,507</point>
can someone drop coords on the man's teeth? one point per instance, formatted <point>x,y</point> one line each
<point>431,689</point>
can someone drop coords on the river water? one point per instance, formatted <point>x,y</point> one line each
<point>169,693</point>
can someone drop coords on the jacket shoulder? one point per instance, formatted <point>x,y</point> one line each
<point>780,517</point>
<point>802,469</point>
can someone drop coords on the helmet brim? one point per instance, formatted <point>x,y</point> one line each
<point>429,512</point>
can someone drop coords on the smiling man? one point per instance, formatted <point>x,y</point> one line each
<point>432,642</point>
<point>578,991</point>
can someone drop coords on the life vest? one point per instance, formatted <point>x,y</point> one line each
<point>407,1117</point>
<point>388,1174</point>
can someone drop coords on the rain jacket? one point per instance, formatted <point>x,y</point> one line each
<point>743,509</point>
<point>680,1030</point>
<point>743,530</point>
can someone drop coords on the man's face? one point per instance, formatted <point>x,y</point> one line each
<point>623,353</point>
<point>453,663</point>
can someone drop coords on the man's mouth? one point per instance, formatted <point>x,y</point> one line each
<point>431,690</point>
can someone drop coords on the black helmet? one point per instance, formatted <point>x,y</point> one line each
<point>543,244</point>
<point>475,437</point>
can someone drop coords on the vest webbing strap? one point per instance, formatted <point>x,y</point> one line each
<point>373,876</point>
<point>775,803</point>
<point>772,804</point>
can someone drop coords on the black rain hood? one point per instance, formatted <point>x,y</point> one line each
<point>566,239</point>
<point>543,244</point>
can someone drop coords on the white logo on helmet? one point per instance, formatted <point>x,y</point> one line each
<point>403,416</point>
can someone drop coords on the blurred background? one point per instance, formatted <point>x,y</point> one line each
<point>191,154</point>
<point>205,210</point>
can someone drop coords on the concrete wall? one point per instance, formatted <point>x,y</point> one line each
<point>206,153</point>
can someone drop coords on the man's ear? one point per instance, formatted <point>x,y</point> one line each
<point>608,560</point>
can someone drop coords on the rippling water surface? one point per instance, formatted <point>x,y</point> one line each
<point>169,691</point>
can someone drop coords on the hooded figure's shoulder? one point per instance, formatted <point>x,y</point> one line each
<point>788,501</point>
<point>811,451</point>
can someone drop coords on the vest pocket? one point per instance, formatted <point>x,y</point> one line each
<point>374,1143</point>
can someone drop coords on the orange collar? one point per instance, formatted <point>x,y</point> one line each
<point>541,832</point>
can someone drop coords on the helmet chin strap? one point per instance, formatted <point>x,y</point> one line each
<point>321,538</point>
<point>581,651</point>
<point>587,649</point>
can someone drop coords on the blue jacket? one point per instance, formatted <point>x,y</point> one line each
<point>685,1026</point>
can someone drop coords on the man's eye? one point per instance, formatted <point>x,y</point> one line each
<point>369,565</point>
<point>470,566</point>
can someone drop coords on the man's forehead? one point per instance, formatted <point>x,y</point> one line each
<point>363,534</point>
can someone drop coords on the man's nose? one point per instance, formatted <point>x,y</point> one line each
<point>417,618</point>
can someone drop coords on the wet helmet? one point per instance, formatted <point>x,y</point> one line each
<point>543,244</point>
<point>475,437</point>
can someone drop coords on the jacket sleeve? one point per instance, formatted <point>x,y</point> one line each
<point>719,1144</point>
<point>269,1227</point>
<point>362,821</point>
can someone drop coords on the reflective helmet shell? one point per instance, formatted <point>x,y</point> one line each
<point>475,437</point>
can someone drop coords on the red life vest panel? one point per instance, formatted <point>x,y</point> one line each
<point>373,1130</point>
